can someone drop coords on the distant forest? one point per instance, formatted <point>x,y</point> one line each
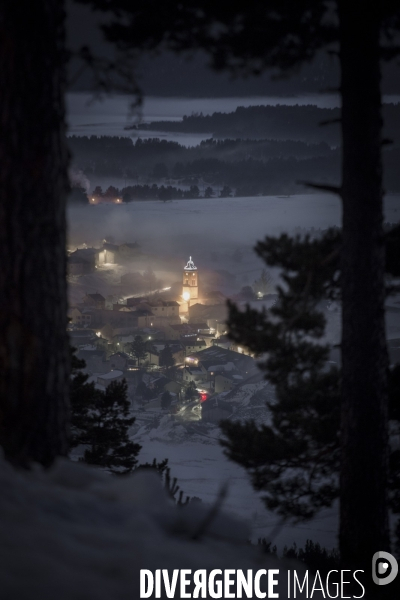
<point>247,166</point>
<point>279,122</point>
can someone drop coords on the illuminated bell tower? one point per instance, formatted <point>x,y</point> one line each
<point>190,288</point>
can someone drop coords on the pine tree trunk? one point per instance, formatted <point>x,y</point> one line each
<point>34,357</point>
<point>364,443</point>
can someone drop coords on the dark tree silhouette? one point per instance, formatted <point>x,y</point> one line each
<point>98,191</point>
<point>139,349</point>
<point>143,391</point>
<point>226,192</point>
<point>284,35</point>
<point>166,399</point>
<point>194,192</point>
<point>100,421</point>
<point>191,391</point>
<point>78,196</point>
<point>107,423</point>
<point>111,192</point>
<point>304,432</point>
<point>166,358</point>
<point>263,284</point>
<point>34,349</point>
<point>247,293</point>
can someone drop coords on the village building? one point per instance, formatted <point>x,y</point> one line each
<point>224,381</point>
<point>107,378</point>
<point>81,337</point>
<point>223,342</point>
<point>95,361</point>
<point>79,317</point>
<point>94,300</point>
<point>244,365</point>
<point>116,319</point>
<point>135,301</point>
<point>106,198</point>
<point>77,265</point>
<point>145,318</point>
<point>214,315</point>
<point>165,308</point>
<point>193,373</point>
<point>118,253</point>
<point>153,356</point>
<point>192,345</point>
<point>164,312</point>
<point>83,261</point>
<point>119,361</point>
<point>175,388</point>
<point>109,254</point>
<point>177,350</point>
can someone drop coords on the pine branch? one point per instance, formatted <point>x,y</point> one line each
<point>205,524</point>
<point>329,122</point>
<point>333,189</point>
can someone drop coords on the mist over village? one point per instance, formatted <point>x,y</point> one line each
<point>200,300</point>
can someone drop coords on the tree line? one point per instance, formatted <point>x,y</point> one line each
<point>251,168</point>
<point>131,193</point>
<point>280,122</point>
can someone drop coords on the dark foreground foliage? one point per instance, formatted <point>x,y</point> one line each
<point>295,460</point>
<point>100,421</point>
<point>313,555</point>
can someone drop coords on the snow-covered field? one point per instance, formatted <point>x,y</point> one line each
<point>204,225</point>
<point>197,460</point>
<point>74,533</point>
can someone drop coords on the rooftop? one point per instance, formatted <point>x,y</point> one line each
<point>98,297</point>
<point>111,375</point>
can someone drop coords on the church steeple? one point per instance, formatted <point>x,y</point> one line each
<point>190,288</point>
<point>190,265</point>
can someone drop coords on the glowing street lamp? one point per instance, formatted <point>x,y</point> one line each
<point>186,296</point>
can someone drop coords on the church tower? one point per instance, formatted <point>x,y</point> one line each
<point>190,288</point>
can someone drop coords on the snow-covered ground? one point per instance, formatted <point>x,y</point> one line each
<point>200,226</point>
<point>74,533</point>
<point>197,460</point>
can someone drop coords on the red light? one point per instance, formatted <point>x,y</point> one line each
<point>203,397</point>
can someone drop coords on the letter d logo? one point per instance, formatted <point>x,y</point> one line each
<point>384,568</point>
